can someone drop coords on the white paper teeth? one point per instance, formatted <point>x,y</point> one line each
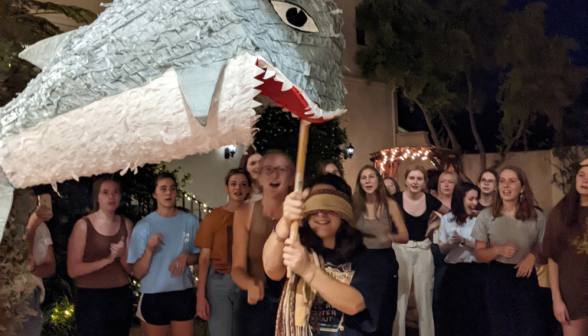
<point>313,111</point>
<point>258,71</point>
<point>262,63</point>
<point>269,74</point>
<point>287,85</point>
<point>257,92</point>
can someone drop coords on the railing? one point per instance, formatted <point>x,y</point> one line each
<point>195,206</point>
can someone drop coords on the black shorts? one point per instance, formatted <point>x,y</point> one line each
<point>162,308</point>
<point>104,311</point>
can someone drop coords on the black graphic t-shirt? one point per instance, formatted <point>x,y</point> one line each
<point>374,274</point>
<point>329,318</point>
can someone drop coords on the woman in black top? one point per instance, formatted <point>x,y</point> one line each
<point>415,258</point>
<point>339,287</point>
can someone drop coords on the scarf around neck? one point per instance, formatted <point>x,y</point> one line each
<point>297,299</point>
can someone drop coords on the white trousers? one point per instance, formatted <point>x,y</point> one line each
<point>415,262</point>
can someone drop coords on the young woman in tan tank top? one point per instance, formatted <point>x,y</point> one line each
<point>258,301</point>
<point>96,260</point>
<point>377,216</point>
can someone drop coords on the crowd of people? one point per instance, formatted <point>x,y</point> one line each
<point>469,253</point>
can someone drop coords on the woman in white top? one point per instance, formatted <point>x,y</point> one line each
<point>445,185</point>
<point>461,288</point>
<point>41,264</point>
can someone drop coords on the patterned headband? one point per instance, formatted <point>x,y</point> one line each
<point>328,200</point>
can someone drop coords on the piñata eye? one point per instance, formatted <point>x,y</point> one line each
<point>295,17</point>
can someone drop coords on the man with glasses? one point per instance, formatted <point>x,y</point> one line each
<point>487,183</point>
<point>258,300</point>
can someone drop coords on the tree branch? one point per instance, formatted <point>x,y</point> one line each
<point>509,145</point>
<point>470,108</point>
<point>454,143</point>
<point>429,123</point>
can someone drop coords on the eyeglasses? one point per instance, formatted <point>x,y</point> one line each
<point>487,181</point>
<point>268,170</point>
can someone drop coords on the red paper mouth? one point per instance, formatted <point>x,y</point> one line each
<point>292,99</point>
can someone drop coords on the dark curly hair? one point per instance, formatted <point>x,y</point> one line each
<point>348,240</point>
<point>457,209</point>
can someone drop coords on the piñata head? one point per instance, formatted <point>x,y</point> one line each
<point>156,80</point>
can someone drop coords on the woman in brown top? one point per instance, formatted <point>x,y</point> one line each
<point>96,260</point>
<point>216,290</point>
<point>254,221</point>
<point>566,245</point>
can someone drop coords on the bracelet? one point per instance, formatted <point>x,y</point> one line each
<point>278,238</point>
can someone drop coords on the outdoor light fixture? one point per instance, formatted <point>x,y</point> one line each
<point>230,151</point>
<point>350,151</point>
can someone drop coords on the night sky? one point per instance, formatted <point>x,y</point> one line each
<point>566,18</point>
<point>563,17</point>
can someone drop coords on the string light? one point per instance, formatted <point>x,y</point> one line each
<point>192,198</point>
<point>397,154</point>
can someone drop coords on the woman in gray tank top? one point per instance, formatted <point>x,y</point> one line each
<point>377,216</point>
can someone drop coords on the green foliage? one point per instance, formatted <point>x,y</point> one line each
<point>16,283</point>
<point>410,46</point>
<point>447,55</point>
<point>279,130</point>
<point>21,25</point>
<point>137,200</point>
<point>568,164</point>
<point>540,78</point>
<point>59,318</point>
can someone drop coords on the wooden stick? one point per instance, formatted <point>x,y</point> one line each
<point>300,163</point>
